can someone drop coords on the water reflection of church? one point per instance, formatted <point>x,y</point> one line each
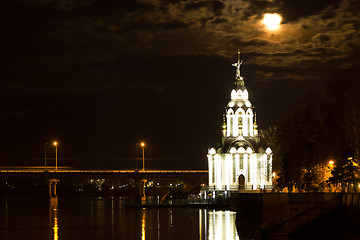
<point>239,162</point>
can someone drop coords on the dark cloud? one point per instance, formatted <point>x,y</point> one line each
<point>219,20</point>
<point>172,25</point>
<point>292,11</point>
<point>214,6</point>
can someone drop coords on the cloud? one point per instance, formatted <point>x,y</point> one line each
<point>213,6</point>
<point>92,32</point>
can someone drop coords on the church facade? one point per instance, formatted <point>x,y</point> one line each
<point>239,162</point>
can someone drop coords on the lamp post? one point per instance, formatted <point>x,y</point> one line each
<point>142,144</point>
<point>55,143</point>
<point>331,167</point>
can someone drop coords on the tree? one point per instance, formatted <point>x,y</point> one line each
<point>349,173</point>
<point>270,138</point>
<point>320,128</point>
<point>343,89</point>
<point>303,140</point>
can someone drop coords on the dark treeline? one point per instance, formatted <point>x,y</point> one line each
<point>320,128</point>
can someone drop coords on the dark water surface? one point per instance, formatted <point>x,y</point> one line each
<point>107,218</point>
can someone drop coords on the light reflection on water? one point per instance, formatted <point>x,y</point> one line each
<point>143,224</point>
<point>108,218</point>
<point>53,216</point>
<point>221,225</point>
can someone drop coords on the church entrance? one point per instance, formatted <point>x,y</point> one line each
<point>241,182</point>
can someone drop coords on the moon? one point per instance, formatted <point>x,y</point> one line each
<point>272,21</point>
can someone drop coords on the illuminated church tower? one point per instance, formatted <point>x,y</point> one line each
<point>239,163</point>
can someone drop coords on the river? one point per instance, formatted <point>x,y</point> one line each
<point>94,218</point>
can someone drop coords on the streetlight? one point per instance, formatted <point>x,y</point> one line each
<point>55,143</point>
<point>331,167</point>
<point>142,144</point>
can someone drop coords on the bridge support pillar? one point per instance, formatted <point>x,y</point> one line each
<point>52,187</point>
<point>142,190</point>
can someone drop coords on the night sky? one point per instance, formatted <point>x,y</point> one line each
<point>101,75</point>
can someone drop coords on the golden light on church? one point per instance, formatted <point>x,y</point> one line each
<point>272,21</point>
<point>239,164</point>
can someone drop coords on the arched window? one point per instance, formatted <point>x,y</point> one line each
<point>232,150</point>
<point>249,150</point>
<point>241,161</point>
<point>245,95</point>
<point>233,94</point>
<point>230,123</point>
<point>239,93</point>
<point>241,150</point>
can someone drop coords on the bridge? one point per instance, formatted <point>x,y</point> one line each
<point>97,174</point>
<point>52,177</point>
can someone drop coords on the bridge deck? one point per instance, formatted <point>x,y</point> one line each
<point>6,174</point>
<point>101,171</point>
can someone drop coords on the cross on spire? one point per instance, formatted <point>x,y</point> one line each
<point>237,65</point>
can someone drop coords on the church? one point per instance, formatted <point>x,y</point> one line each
<point>239,162</point>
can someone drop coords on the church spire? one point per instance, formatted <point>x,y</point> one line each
<point>239,79</point>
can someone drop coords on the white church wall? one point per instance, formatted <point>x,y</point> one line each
<point>211,169</point>
<point>218,170</point>
<point>226,171</point>
<point>253,172</point>
<point>245,125</point>
<point>235,125</point>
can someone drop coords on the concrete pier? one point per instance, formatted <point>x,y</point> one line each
<point>52,187</point>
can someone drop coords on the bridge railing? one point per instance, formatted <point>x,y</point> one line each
<point>98,171</point>
<point>232,188</point>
